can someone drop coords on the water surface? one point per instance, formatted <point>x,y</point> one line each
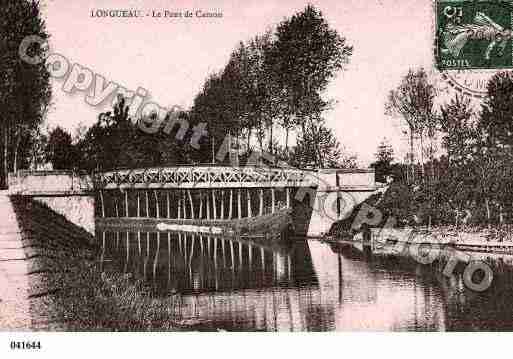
<point>306,285</point>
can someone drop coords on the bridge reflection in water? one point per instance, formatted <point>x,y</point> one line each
<point>239,284</point>
<point>218,280</point>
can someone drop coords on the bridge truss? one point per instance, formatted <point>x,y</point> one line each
<point>205,177</point>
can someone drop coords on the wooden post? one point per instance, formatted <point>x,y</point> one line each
<point>179,206</point>
<point>102,258</point>
<point>240,254</point>
<point>147,204</point>
<point>190,201</point>
<point>222,204</point>
<point>156,259</point>
<point>201,204</point>
<point>138,205</point>
<point>126,203</point>
<point>273,200</point>
<point>168,256</point>
<point>287,191</point>
<point>262,255</point>
<point>250,255</point>
<point>184,205</point>
<point>261,210</point>
<point>168,205</point>
<point>139,242</point>
<point>157,206</point>
<point>223,251</point>
<point>230,210</point>
<point>239,204</point>
<point>289,267</point>
<point>208,206</point>
<point>249,202</point>
<point>192,249</point>
<point>102,204</point>
<point>127,243</point>
<point>232,256</point>
<point>214,206</point>
<point>148,244</point>
<point>216,274</point>
<point>116,204</point>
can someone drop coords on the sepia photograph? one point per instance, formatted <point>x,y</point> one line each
<point>259,166</point>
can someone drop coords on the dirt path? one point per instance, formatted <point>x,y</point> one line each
<point>14,302</point>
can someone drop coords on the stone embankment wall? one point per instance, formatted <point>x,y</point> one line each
<point>48,242</point>
<point>68,193</point>
<point>339,192</point>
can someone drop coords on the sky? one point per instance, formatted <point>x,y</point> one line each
<point>172,57</point>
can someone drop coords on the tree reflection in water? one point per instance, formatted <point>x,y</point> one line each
<point>241,284</point>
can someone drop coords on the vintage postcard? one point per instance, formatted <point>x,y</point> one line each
<point>259,166</point>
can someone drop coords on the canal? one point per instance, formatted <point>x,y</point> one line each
<point>246,285</point>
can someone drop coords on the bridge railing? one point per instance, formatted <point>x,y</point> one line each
<point>205,177</point>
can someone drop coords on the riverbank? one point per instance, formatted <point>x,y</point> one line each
<point>467,238</point>
<point>414,220</point>
<point>66,288</point>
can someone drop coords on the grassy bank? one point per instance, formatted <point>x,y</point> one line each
<point>409,207</point>
<point>68,289</point>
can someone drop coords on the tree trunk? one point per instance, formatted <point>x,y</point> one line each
<point>6,154</point>
<point>422,172</point>
<point>16,149</point>
<point>271,138</point>
<point>287,140</point>
<point>321,158</point>
<point>488,215</point>
<point>249,139</point>
<point>432,159</point>
<point>260,140</point>
<point>412,169</point>
<point>213,150</point>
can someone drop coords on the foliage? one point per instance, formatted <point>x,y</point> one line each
<point>273,82</point>
<point>458,129</point>
<point>59,150</point>
<point>117,141</point>
<point>24,88</point>
<point>384,159</point>
<point>413,101</point>
<point>496,117</point>
<point>320,148</point>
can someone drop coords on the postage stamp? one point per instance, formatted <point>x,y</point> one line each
<point>474,34</point>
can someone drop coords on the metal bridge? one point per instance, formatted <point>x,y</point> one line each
<point>207,177</point>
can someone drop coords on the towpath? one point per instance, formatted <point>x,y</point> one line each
<point>14,285</point>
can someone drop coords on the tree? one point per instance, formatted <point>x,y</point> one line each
<point>39,147</point>
<point>115,140</point>
<point>305,56</point>
<point>24,88</point>
<point>458,130</point>
<point>384,159</point>
<point>497,110</point>
<point>412,100</point>
<point>493,149</point>
<point>323,138</point>
<point>60,150</point>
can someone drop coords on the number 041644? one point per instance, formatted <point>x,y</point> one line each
<point>25,345</point>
